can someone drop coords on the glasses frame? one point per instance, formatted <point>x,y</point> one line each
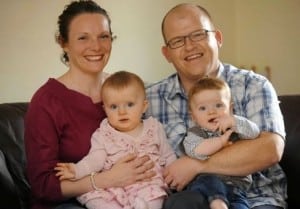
<point>190,36</point>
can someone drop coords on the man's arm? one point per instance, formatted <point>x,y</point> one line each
<point>241,158</point>
<point>247,156</point>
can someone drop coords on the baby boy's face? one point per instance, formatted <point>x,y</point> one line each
<point>208,106</point>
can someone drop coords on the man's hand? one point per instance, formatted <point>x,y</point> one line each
<point>179,173</point>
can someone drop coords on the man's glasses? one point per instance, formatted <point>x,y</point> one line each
<point>195,36</point>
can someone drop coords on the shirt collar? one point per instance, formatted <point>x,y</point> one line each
<point>220,70</point>
<point>175,88</point>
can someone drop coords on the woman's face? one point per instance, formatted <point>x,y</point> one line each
<point>89,43</point>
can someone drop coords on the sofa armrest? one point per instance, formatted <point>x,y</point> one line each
<point>290,107</point>
<point>15,189</point>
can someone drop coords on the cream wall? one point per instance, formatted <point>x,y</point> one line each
<point>268,33</point>
<point>29,54</point>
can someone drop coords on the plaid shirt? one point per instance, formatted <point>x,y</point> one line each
<point>254,98</point>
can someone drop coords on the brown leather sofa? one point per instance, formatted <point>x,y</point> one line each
<point>15,190</point>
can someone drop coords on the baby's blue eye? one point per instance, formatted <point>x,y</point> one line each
<point>219,105</point>
<point>130,104</point>
<point>202,108</point>
<point>113,107</point>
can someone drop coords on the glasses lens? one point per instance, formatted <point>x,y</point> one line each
<point>198,35</point>
<point>194,36</point>
<point>176,42</point>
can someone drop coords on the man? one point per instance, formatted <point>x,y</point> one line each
<point>192,45</point>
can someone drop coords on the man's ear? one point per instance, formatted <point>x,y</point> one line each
<point>165,52</point>
<point>219,38</point>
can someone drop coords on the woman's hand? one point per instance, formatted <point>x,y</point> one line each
<point>129,170</point>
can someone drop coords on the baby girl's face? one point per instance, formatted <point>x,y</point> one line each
<point>124,107</point>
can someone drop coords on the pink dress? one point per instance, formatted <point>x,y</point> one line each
<point>109,145</point>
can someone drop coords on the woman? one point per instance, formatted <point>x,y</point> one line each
<point>65,112</point>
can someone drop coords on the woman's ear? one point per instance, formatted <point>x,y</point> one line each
<point>65,47</point>
<point>59,40</point>
<point>62,43</point>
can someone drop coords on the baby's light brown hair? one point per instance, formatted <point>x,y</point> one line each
<point>123,79</point>
<point>207,83</point>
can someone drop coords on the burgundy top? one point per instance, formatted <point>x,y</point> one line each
<point>58,128</point>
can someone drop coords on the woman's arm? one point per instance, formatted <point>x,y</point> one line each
<point>136,169</point>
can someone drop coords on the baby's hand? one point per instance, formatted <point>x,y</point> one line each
<point>65,171</point>
<point>226,122</point>
<point>226,136</point>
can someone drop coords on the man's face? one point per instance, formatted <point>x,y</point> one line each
<point>195,59</point>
